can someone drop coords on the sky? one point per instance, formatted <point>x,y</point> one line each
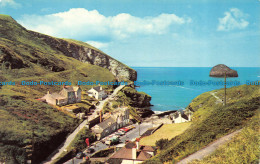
<point>152,33</point>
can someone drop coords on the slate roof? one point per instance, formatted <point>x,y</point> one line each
<point>126,152</point>
<point>71,88</point>
<point>147,148</point>
<point>185,116</point>
<point>98,88</point>
<point>104,125</point>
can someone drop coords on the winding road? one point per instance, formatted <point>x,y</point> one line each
<point>70,138</point>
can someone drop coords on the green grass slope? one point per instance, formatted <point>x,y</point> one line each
<point>26,57</point>
<point>244,148</point>
<point>212,120</point>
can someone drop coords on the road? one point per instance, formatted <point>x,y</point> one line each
<point>128,136</point>
<point>209,149</point>
<point>70,138</point>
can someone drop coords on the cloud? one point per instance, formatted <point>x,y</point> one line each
<point>98,45</point>
<point>11,3</point>
<point>80,23</point>
<point>233,19</point>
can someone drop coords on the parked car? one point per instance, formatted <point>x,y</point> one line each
<point>90,150</point>
<point>80,155</point>
<point>119,133</point>
<point>126,129</point>
<point>112,141</point>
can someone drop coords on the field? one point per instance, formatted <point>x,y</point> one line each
<point>166,131</point>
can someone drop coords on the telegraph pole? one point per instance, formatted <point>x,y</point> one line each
<point>139,128</point>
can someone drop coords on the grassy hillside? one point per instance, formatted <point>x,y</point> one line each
<point>244,148</point>
<point>26,57</point>
<point>212,120</point>
<point>167,131</point>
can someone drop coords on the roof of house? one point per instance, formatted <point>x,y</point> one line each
<point>126,152</point>
<point>54,95</point>
<point>71,88</point>
<point>184,116</point>
<point>147,148</point>
<point>104,124</point>
<point>98,88</point>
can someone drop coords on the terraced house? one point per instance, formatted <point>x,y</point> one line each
<point>116,120</point>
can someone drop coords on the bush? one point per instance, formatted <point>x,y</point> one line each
<point>161,143</point>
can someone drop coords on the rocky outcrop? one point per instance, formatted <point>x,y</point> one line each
<point>145,112</point>
<point>220,70</point>
<point>138,99</point>
<point>9,59</point>
<point>88,54</point>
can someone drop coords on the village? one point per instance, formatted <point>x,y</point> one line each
<point>112,129</point>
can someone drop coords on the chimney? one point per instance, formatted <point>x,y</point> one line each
<point>137,143</point>
<point>189,117</point>
<point>134,153</point>
<point>100,116</point>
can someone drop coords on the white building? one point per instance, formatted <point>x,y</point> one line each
<point>179,117</point>
<point>98,92</point>
<point>68,95</point>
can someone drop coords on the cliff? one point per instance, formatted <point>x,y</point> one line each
<point>220,70</point>
<point>88,54</point>
<point>138,99</point>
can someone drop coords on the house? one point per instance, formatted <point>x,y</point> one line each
<point>179,117</point>
<point>68,95</point>
<point>98,92</point>
<point>132,153</point>
<point>115,121</point>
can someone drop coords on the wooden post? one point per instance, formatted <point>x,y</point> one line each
<point>225,100</point>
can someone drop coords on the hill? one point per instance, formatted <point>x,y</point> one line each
<point>29,56</point>
<point>211,120</point>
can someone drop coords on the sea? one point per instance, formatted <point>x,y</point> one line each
<point>173,88</point>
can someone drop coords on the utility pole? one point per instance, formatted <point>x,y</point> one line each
<point>225,94</point>
<point>139,128</point>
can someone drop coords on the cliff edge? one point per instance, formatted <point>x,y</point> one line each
<point>88,54</point>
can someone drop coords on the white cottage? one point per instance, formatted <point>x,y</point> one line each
<point>68,95</point>
<point>98,92</point>
<point>179,117</point>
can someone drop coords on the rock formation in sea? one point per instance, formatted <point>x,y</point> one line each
<point>220,69</point>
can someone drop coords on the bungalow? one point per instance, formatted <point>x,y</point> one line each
<point>68,95</point>
<point>132,153</point>
<point>98,92</point>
